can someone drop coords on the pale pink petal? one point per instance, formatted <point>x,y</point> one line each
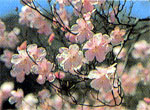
<point>89,55</point>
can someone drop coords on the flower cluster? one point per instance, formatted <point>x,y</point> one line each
<point>33,19</point>
<point>6,58</point>
<point>141,49</point>
<point>31,58</point>
<point>98,46</point>
<point>5,91</point>
<point>117,35</point>
<point>8,39</point>
<point>44,69</point>
<point>83,30</point>
<point>101,78</point>
<point>71,58</point>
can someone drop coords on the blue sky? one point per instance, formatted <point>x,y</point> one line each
<point>141,8</point>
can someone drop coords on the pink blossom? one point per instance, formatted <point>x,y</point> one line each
<point>22,63</point>
<point>101,78</point>
<point>87,6</point>
<point>117,35</point>
<point>83,30</point>
<point>9,39</point>
<point>129,83</point>
<point>33,19</point>
<point>71,58</point>
<point>43,94</point>
<point>16,97</point>
<point>143,72</point>
<point>12,39</point>
<point>44,28</point>
<point>6,58</point>
<point>143,106</point>
<point>44,69</point>
<point>29,102</point>
<point>141,49</point>
<point>97,47</point>
<point>6,89</point>
<point>147,100</point>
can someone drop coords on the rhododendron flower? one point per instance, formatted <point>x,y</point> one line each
<point>6,89</point>
<point>142,105</point>
<point>141,49</point>
<point>16,97</point>
<point>29,102</point>
<point>33,19</point>
<point>44,69</point>
<point>117,35</point>
<point>9,40</point>
<point>147,100</point>
<point>87,6</point>
<point>143,72</point>
<point>6,58</point>
<point>101,78</point>
<point>109,97</point>
<point>129,83</point>
<point>22,63</point>
<point>37,54</point>
<point>83,30</point>
<point>70,58</point>
<point>43,94</point>
<point>97,47</point>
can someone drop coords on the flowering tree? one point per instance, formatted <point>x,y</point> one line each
<point>79,58</point>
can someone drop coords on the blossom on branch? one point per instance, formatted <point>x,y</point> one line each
<point>44,70</point>
<point>141,49</point>
<point>117,36</point>
<point>98,46</point>
<point>101,78</point>
<point>16,97</point>
<point>34,19</point>
<point>23,61</point>
<point>83,29</point>
<point>71,58</point>
<point>6,58</point>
